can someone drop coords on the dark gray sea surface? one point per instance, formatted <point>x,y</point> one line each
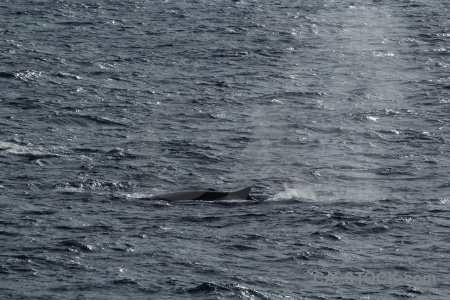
<point>335,111</point>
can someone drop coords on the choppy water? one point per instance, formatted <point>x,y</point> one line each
<point>336,112</point>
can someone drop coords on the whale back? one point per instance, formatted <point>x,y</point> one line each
<point>205,195</point>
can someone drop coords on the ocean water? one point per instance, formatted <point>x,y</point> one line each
<point>335,111</point>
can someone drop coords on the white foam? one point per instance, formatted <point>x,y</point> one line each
<point>28,150</point>
<point>300,193</point>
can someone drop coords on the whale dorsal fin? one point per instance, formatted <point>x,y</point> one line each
<point>240,194</point>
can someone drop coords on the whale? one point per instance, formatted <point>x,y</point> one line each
<point>205,195</point>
